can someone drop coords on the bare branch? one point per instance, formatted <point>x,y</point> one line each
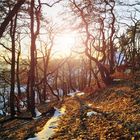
<point>7,61</point>
<point>51,5</point>
<point>10,15</point>
<point>5,47</point>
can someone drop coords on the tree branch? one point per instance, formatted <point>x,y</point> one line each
<point>51,5</point>
<point>10,15</point>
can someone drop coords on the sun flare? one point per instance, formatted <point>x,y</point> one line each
<point>65,43</point>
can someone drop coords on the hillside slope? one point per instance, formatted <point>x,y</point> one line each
<point>110,113</point>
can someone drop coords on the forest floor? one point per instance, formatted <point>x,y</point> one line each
<point>112,113</point>
<point>24,126</point>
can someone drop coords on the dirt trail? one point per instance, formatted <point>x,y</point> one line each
<point>19,129</point>
<point>117,115</point>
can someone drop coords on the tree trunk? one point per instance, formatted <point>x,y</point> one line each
<point>12,94</point>
<point>10,15</point>
<point>96,78</point>
<point>18,82</point>
<point>57,96</point>
<point>70,78</point>
<point>105,75</point>
<point>32,64</point>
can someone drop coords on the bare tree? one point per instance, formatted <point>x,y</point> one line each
<point>84,11</point>
<point>34,12</point>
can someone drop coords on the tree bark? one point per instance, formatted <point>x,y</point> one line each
<point>105,75</point>
<point>32,64</point>
<point>12,94</point>
<point>10,16</point>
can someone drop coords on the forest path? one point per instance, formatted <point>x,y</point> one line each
<point>111,113</point>
<point>19,129</point>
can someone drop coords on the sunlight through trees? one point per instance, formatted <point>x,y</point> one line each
<point>49,49</point>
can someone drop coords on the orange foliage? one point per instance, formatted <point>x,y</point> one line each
<point>121,75</point>
<point>94,88</point>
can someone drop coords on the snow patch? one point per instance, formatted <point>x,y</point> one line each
<point>38,114</point>
<point>2,105</point>
<point>72,94</point>
<point>78,93</point>
<point>51,125</point>
<point>89,114</point>
<point>1,112</point>
<point>47,101</point>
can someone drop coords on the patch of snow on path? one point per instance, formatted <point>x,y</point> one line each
<point>37,112</point>
<point>78,93</point>
<point>50,126</point>
<point>89,114</point>
<point>48,101</point>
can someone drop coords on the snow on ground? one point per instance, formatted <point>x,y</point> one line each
<point>48,101</point>
<point>78,93</point>
<point>89,114</point>
<point>1,105</point>
<point>1,112</point>
<point>50,126</point>
<point>72,94</point>
<point>22,88</point>
<point>59,92</point>
<point>38,114</point>
<point>21,103</point>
